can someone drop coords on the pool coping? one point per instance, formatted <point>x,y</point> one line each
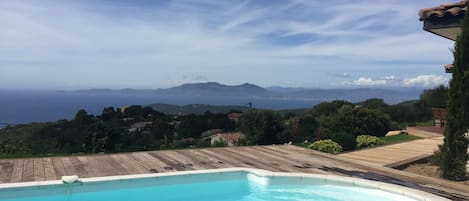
<point>392,188</point>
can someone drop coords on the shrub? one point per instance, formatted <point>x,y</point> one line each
<point>327,146</point>
<point>364,141</point>
<point>346,140</point>
<point>397,126</point>
<point>219,143</point>
<point>363,120</point>
<point>436,158</point>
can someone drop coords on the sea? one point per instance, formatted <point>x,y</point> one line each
<point>20,107</point>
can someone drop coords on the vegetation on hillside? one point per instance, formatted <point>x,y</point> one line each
<point>138,128</point>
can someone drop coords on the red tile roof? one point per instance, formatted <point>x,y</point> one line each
<point>448,68</point>
<point>234,115</point>
<point>233,137</point>
<point>444,11</point>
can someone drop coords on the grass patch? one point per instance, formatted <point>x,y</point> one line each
<point>398,138</point>
<point>301,144</point>
<point>426,123</point>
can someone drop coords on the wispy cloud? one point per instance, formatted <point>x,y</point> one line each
<point>59,44</point>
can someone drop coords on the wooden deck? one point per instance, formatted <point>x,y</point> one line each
<point>283,158</point>
<point>426,131</point>
<point>397,154</point>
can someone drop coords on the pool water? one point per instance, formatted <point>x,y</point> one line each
<point>234,186</point>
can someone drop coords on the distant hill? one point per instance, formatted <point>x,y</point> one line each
<point>357,94</point>
<point>285,89</point>
<point>204,92</point>
<point>215,89</point>
<point>196,108</point>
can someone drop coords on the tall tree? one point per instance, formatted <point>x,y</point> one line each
<point>454,150</point>
<point>261,127</point>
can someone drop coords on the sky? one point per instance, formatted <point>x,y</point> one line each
<point>79,44</point>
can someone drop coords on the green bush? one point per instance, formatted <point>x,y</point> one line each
<point>346,140</point>
<point>436,158</point>
<point>364,141</point>
<point>219,143</point>
<point>327,146</point>
<point>362,120</point>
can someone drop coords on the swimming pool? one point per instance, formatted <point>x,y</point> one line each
<point>232,184</point>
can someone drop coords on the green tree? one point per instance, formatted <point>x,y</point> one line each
<point>374,103</point>
<point>133,111</point>
<point>261,127</point>
<point>437,97</point>
<point>362,120</point>
<point>402,112</point>
<point>82,118</point>
<point>454,150</point>
<point>193,125</point>
<point>302,128</point>
<point>328,108</point>
<point>346,140</point>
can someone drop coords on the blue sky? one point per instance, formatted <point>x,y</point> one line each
<point>66,44</point>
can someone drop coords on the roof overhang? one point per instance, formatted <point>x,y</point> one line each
<point>450,31</point>
<point>444,20</point>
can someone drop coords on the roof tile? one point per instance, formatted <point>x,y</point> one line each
<point>448,10</point>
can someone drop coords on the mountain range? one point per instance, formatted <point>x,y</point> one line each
<point>254,92</point>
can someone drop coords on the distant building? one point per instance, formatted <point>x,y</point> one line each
<point>439,116</point>
<point>188,140</point>
<point>210,132</point>
<point>234,116</point>
<point>230,139</point>
<point>140,126</point>
<point>127,119</point>
<point>124,108</point>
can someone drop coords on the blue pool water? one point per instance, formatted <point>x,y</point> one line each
<point>212,187</point>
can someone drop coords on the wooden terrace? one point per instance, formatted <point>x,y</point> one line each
<point>280,158</point>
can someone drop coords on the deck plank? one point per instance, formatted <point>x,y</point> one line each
<point>169,161</point>
<point>129,164</point>
<point>278,160</point>
<point>225,159</point>
<point>49,172</point>
<point>110,166</point>
<point>77,166</point>
<point>69,168</point>
<point>266,164</point>
<point>28,172</point>
<point>17,174</point>
<point>39,173</point>
<point>396,153</point>
<point>58,168</point>
<point>213,160</point>
<point>185,161</point>
<point>160,165</point>
<point>147,164</point>
<point>6,168</point>
<point>200,159</point>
